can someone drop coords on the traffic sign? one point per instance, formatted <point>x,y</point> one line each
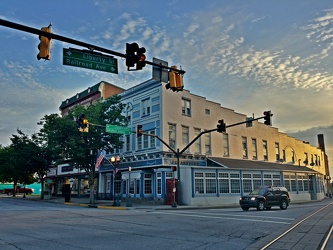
<point>114,129</point>
<point>90,60</point>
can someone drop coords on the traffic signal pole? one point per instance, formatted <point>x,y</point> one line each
<point>91,47</point>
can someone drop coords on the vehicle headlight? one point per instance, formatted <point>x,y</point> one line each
<point>241,198</point>
<point>253,198</point>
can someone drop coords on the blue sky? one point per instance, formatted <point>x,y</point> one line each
<point>249,56</point>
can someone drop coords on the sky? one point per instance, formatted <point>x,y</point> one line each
<point>250,56</point>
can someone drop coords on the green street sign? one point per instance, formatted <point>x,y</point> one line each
<point>89,60</point>
<point>113,129</point>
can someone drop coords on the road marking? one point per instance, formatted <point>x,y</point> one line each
<point>246,215</point>
<point>221,218</point>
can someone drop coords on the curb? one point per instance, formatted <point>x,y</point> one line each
<point>94,206</point>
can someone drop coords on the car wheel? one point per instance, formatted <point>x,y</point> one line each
<point>284,205</point>
<point>245,208</point>
<point>261,206</point>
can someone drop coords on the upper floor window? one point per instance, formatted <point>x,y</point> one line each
<point>244,146</point>
<point>208,144</point>
<point>185,136</point>
<point>254,149</point>
<point>127,143</point>
<point>306,160</point>
<point>277,151</point>
<point>172,136</point>
<point>186,107</point>
<point>265,150</point>
<point>145,107</point>
<point>197,143</point>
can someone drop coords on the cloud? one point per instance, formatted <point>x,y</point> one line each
<point>320,31</point>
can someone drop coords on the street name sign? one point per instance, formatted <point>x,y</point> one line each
<point>90,60</point>
<point>114,129</point>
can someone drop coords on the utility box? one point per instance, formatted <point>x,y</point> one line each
<point>171,191</point>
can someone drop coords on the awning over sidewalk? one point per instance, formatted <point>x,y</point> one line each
<point>256,165</point>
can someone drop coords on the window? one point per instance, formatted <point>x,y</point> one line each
<point>148,141</point>
<point>284,155</point>
<point>145,107</point>
<point>152,139</point>
<point>225,145</point>
<point>172,136</point>
<point>207,144</point>
<point>139,143</point>
<point>229,183</point>
<point>186,107</point>
<point>205,183</point>
<point>128,143</point>
<point>207,111</point>
<point>185,136</point>
<point>199,183</point>
<point>147,184</point>
<point>277,151</point>
<point>197,143</point>
<point>265,150</point>
<point>272,179</point>
<point>234,183</point>
<point>292,156</point>
<point>254,149</point>
<point>224,183</point>
<point>251,182</point>
<point>306,160</point>
<point>159,183</point>
<point>244,146</point>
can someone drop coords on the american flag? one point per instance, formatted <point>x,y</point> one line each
<point>100,158</point>
<point>115,171</point>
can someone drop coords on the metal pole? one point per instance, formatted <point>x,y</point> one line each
<point>178,177</point>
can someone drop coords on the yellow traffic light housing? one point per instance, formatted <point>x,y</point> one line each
<point>45,45</point>
<point>175,80</point>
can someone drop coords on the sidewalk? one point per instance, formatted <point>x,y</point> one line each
<point>108,204</point>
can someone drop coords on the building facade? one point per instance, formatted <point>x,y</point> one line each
<point>217,168</point>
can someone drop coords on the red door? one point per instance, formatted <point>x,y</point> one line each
<point>171,191</point>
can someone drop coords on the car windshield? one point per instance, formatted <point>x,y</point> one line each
<point>258,191</point>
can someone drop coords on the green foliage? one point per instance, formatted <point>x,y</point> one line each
<point>80,149</point>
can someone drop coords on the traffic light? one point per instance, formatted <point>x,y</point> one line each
<point>85,126</point>
<point>267,118</point>
<point>82,123</point>
<point>175,80</point>
<point>135,55</point>
<point>141,58</point>
<point>45,45</point>
<point>138,130</point>
<point>221,127</point>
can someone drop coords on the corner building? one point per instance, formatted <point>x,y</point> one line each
<point>218,167</point>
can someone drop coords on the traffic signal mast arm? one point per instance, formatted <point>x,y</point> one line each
<point>76,42</point>
<point>199,135</point>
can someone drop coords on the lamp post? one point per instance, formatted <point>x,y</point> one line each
<point>114,160</point>
<point>129,202</point>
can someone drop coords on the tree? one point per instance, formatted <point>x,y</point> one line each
<point>18,160</point>
<point>80,149</point>
<point>5,169</point>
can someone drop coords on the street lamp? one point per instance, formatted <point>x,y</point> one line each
<point>129,202</point>
<point>114,160</point>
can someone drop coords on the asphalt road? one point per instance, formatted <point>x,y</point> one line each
<point>27,224</point>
